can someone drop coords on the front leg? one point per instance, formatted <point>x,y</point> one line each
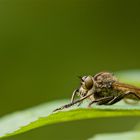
<point>73,103</point>
<point>76,92</point>
<point>74,95</point>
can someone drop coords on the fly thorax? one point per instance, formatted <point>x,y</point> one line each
<point>104,80</point>
<point>102,92</point>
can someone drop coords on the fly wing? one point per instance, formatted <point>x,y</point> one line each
<point>126,87</point>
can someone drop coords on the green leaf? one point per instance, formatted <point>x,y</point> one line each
<point>41,115</point>
<point>27,120</point>
<point>132,135</point>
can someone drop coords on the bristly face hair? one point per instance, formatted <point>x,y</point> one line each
<point>102,89</point>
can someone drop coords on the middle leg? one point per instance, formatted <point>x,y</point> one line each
<point>101,101</point>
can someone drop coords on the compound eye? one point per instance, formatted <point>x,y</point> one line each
<point>88,82</point>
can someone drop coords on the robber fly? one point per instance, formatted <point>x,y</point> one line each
<point>102,89</point>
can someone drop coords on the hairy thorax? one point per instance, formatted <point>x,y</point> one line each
<point>105,92</point>
<point>104,85</point>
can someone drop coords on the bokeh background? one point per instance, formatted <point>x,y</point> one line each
<point>46,44</point>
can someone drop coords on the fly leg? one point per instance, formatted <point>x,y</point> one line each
<point>74,95</point>
<point>73,103</point>
<point>105,101</point>
<point>101,101</point>
<point>121,96</point>
<point>80,103</point>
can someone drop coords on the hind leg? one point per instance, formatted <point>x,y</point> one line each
<point>122,96</point>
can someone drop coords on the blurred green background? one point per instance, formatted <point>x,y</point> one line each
<point>46,44</point>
